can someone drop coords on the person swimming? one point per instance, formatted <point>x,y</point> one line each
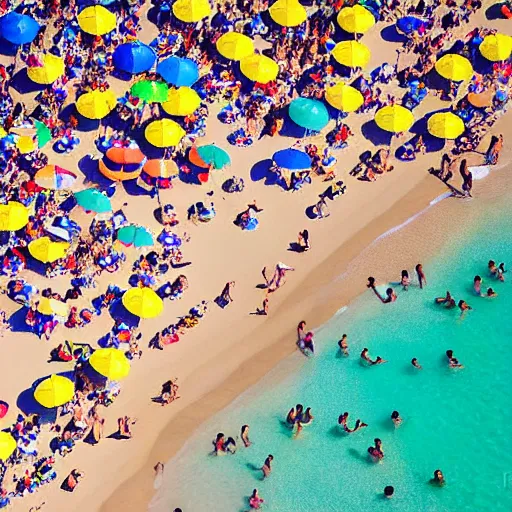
<point>415,363</point>
<point>405,281</point>
<point>464,306</point>
<point>343,345</point>
<point>477,285</point>
<point>453,362</point>
<point>389,490</point>
<point>376,452</point>
<point>444,300</point>
<point>395,418</point>
<point>451,304</point>
<point>342,421</point>
<point>438,478</point>
<point>365,358</point>
<point>491,293</point>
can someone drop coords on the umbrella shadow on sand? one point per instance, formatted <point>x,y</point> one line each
<point>17,321</point>
<point>22,83</point>
<point>494,11</point>
<point>376,135</point>
<point>391,35</point>
<point>89,168</point>
<point>261,171</point>
<point>119,312</point>
<point>433,144</point>
<point>7,48</point>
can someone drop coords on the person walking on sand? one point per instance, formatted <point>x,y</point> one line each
<point>422,280</point>
<point>225,297</point>
<point>278,279</point>
<point>266,468</point>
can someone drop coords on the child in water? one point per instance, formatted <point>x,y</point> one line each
<point>343,345</point>
<point>405,281</point>
<point>376,452</point>
<point>415,363</point>
<point>395,418</point>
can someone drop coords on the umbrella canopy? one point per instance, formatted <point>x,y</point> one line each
<point>43,133</point>
<point>18,28</point>
<point>134,57</point>
<point>191,11</point>
<point>308,113</point>
<point>48,306</point>
<point>96,104</point>
<point>52,68</point>
<point>55,178</point>
<point>394,118</point>
<point>13,216</point>
<point>235,46</point>
<point>97,20</point>
<point>178,71</point>
<point>150,91</point>
<point>445,125</point>
<point>26,144</point>
<point>93,200</point>
<point>143,302</point>
<point>54,391</point>
<point>288,13</point>
<point>161,168</point>
<point>43,249</point>
<point>344,97</point>
<point>164,133</point>
<point>496,47</point>
<point>410,24</point>
<point>209,155</point>
<point>181,102</point>
<point>110,362</point>
<point>120,164</point>
<point>259,68</point>
<point>356,20</point>
<point>137,236</point>
<point>352,54</point>
<point>483,99</point>
<point>7,445</point>
<point>292,159</point>
<point>454,67</point>
<point>4,409</point>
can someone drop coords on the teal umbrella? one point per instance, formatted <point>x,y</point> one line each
<point>44,135</point>
<point>209,155</point>
<point>137,236</point>
<point>150,91</point>
<point>93,200</point>
<point>309,114</point>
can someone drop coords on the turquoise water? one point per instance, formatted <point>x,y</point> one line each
<point>456,420</point>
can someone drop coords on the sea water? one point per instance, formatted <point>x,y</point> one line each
<point>459,421</point>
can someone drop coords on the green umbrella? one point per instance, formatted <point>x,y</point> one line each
<point>152,92</point>
<point>135,235</point>
<point>44,135</point>
<point>309,114</point>
<point>93,200</point>
<point>213,155</point>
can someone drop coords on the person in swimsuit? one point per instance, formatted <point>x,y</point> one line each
<point>307,417</point>
<point>72,480</point>
<point>438,478</point>
<point>464,306</point>
<point>422,280</point>
<point>453,362</point>
<point>444,300</point>
<point>266,468</point>
<point>376,451</point>
<point>365,357</point>
<point>389,490</point>
<point>495,271</point>
<point>255,501</point>
<point>244,436</point>
<point>415,363</point>
<point>395,418</point>
<point>477,285</point>
<point>343,345</point>
<point>451,304</point>
<point>291,417</point>
<point>230,445</point>
<point>405,281</point>
<point>491,293</point>
<point>304,240</point>
<point>219,443</point>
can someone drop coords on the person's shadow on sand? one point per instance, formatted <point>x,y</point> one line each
<point>253,467</point>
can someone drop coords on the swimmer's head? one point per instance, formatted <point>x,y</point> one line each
<point>477,279</point>
<point>395,415</point>
<point>491,263</point>
<point>405,273</point>
<point>449,353</point>
<point>389,490</point>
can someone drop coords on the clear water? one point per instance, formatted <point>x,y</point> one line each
<point>458,421</point>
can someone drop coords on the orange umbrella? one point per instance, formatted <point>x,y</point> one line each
<point>158,173</point>
<point>119,164</point>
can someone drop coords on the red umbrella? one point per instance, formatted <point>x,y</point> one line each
<point>4,407</point>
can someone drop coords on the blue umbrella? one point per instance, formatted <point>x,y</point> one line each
<point>18,28</point>
<point>410,24</point>
<point>134,57</point>
<point>292,159</point>
<point>178,71</point>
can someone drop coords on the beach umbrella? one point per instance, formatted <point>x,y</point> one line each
<point>110,362</point>
<point>288,13</point>
<point>4,409</point>
<point>18,28</point>
<point>191,11</point>
<point>150,91</point>
<point>454,67</point>
<point>181,102</point>
<point>97,20</point>
<point>352,54</point>
<point>48,306</point>
<point>13,216</point>
<point>143,302</point>
<point>164,133</point>
<point>410,24</point>
<point>292,159</point>
<point>235,46</point>
<point>51,68</point>
<point>496,47</point>
<point>43,249</point>
<point>209,155</point>
<point>308,113</point>
<point>483,99</point>
<point>93,200</point>
<point>26,144</point>
<point>344,97</point>
<point>356,19</point>
<point>7,445</point>
<point>134,57</point>
<point>54,391</point>
<point>178,71</point>
<point>259,68</point>
<point>43,133</point>
<point>55,178</point>
<point>122,163</point>
<point>394,118</point>
<point>158,173</point>
<point>445,125</point>
<point>96,104</point>
<point>137,236</point>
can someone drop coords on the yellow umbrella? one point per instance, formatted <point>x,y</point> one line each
<point>288,13</point>
<point>96,104</point>
<point>445,125</point>
<point>48,306</point>
<point>454,67</point>
<point>235,46</point>
<point>344,97</point>
<point>191,11</point>
<point>97,20</point>
<point>26,144</point>
<point>54,391</point>
<point>43,249</point>
<point>352,54</point>
<point>13,216</point>
<point>181,102</point>
<point>143,302</point>
<point>7,445</point>
<point>111,363</point>
<point>259,68</point>
<point>496,47</point>
<point>355,19</point>
<point>51,69</point>
<point>394,118</point>
<point>164,133</point>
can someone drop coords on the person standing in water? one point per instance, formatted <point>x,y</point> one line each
<point>422,280</point>
<point>405,281</point>
<point>477,286</point>
<point>415,363</point>
<point>266,468</point>
<point>244,436</point>
<point>343,345</point>
<point>395,418</point>
<point>438,478</point>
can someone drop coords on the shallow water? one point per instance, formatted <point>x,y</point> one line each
<point>454,420</point>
